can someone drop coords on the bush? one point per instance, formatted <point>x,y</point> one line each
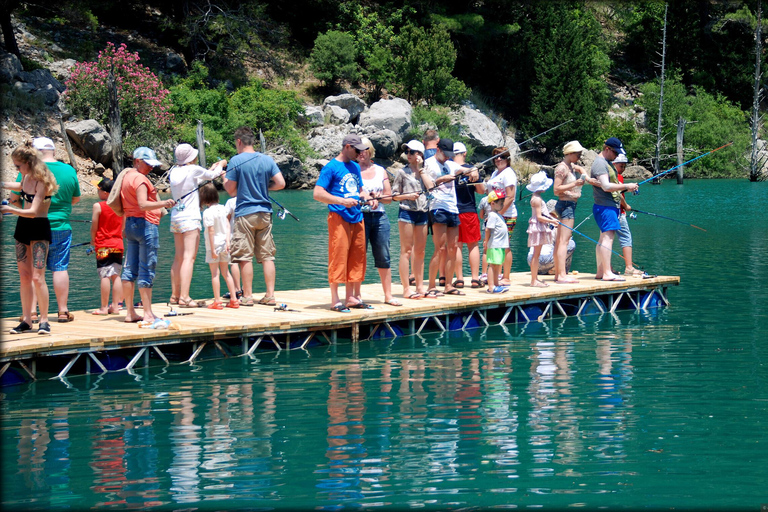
<point>333,57</point>
<point>144,102</point>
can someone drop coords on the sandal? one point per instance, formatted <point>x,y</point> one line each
<point>360,305</point>
<point>459,283</point>
<point>191,303</point>
<point>234,304</point>
<point>173,301</point>
<point>248,301</point>
<point>35,318</point>
<point>454,291</point>
<point>267,301</point>
<point>433,293</point>
<point>65,316</point>
<point>340,308</point>
<point>476,284</point>
<point>412,281</point>
<point>394,302</point>
<point>441,281</point>
<point>415,296</point>
<point>216,305</point>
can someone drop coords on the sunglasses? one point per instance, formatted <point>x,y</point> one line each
<point>414,152</point>
<point>500,157</point>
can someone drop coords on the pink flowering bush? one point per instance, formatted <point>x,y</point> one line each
<point>144,102</point>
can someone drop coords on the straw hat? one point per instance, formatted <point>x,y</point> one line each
<point>572,147</point>
<point>539,182</point>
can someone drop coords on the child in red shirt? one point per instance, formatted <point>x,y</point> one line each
<point>107,239</point>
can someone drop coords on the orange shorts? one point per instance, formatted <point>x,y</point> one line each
<point>346,250</point>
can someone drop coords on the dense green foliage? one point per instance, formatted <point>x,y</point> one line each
<point>334,57</point>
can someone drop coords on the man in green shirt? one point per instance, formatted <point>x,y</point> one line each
<point>61,230</point>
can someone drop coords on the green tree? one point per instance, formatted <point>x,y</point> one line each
<point>333,57</point>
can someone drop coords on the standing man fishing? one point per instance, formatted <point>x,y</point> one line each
<point>339,186</point>
<point>605,190</point>
<point>250,176</point>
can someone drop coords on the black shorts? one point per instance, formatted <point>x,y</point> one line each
<point>36,228</point>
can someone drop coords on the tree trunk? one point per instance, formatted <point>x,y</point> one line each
<point>680,134</point>
<point>755,162</point>
<point>67,143</point>
<point>201,143</point>
<point>9,38</point>
<point>115,127</point>
<point>656,163</point>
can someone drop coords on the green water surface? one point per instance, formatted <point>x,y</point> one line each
<point>661,409</point>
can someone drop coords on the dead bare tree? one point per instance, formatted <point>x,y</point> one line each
<point>656,164</point>
<point>755,161</point>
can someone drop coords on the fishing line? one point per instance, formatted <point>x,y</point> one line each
<point>636,192</point>
<point>668,218</point>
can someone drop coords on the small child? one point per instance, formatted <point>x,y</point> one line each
<point>538,230</point>
<point>496,241</point>
<point>217,238</point>
<point>107,240</point>
<point>484,210</point>
<point>234,267</point>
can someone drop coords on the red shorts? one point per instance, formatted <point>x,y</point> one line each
<point>469,228</point>
<point>346,250</point>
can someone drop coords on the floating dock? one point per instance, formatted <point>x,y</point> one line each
<point>95,344</point>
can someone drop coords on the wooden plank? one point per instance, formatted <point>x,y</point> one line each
<point>312,313</point>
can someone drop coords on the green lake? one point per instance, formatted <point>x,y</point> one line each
<point>654,410</point>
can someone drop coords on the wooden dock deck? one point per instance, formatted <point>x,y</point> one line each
<point>232,332</point>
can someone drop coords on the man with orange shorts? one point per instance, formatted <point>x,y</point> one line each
<point>339,187</point>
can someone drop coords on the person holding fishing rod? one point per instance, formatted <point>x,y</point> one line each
<point>250,177</point>
<point>625,235</point>
<point>607,197</point>
<point>504,179</point>
<point>569,178</point>
<point>185,178</point>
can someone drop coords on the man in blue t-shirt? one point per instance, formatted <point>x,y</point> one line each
<point>339,187</point>
<point>250,176</point>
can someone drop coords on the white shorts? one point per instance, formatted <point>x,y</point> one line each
<point>222,255</point>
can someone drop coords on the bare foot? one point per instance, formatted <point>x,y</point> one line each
<point>566,280</point>
<point>539,284</point>
<point>133,319</point>
<point>100,311</point>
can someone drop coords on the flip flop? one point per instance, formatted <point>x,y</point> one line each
<point>267,301</point>
<point>617,278</point>
<point>360,305</point>
<point>455,291</point>
<point>394,302</point>
<point>340,308</point>
<point>433,293</point>
<point>415,296</point>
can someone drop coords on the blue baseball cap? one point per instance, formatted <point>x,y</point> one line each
<point>616,144</point>
<point>147,155</point>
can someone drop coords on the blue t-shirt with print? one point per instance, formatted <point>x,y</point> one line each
<point>342,180</point>
<point>252,172</point>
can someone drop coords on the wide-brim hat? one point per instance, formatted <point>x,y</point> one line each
<point>539,182</point>
<point>185,153</point>
<point>573,147</point>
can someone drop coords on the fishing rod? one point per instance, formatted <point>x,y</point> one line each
<point>668,218</point>
<point>283,211</point>
<point>522,143</point>
<point>636,192</point>
<point>585,220</point>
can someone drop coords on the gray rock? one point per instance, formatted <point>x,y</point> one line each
<point>335,115</point>
<point>349,102</point>
<point>478,129</point>
<point>175,63</point>
<point>637,173</point>
<point>10,66</point>
<point>24,87</point>
<point>47,95</point>
<point>312,116</point>
<point>385,143</point>
<point>394,114</point>
<point>295,174</point>
<point>62,69</point>
<point>93,139</point>
<point>326,140</point>
<point>40,78</point>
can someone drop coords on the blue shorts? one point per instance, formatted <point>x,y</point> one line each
<point>565,209</point>
<point>625,236</point>
<point>411,217</point>
<point>142,241</point>
<point>607,217</point>
<point>58,251</point>
<point>377,234</point>
<point>451,220</point>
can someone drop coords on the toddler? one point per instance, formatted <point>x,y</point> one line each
<point>107,240</point>
<point>217,235</point>
<point>496,241</point>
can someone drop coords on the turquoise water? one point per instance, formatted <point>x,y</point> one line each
<point>638,410</point>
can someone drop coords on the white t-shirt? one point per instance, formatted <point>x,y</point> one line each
<point>216,216</point>
<point>230,207</point>
<point>444,196</point>
<point>499,234</point>
<point>184,179</point>
<point>375,185</point>
<point>499,181</point>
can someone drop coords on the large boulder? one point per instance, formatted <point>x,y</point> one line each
<point>326,140</point>
<point>10,66</point>
<point>93,139</point>
<point>478,129</point>
<point>296,176</point>
<point>312,116</point>
<point>40,78</point>
<point>349,102</point>
<point>62,69</point>
<point>394,114</point>
<point>637,173</point>
<point>385,143</point>
<point>335,115</point>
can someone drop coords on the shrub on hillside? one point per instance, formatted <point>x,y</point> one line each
<point>143,100</point>
<point>333,57</point>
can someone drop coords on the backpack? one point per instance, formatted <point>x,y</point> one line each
<point>114,201</point>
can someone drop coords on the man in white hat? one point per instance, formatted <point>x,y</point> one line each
<point>61,230</point>
<point>605,191</point>
<point>625,235</point>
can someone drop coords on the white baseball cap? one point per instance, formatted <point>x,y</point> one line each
<point>459,147</point>
<point>43,143</point>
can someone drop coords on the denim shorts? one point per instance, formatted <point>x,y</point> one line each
<point>565,209</point>
<point>142,241</point>
<point>377,234</point>
<point>58,250</point>
<point>413,217</point>
<point>625,236</point>
<point>451,220</point>
<point>607,217</point>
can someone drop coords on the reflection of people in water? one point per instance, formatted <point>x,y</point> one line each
<point>547,256</point>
